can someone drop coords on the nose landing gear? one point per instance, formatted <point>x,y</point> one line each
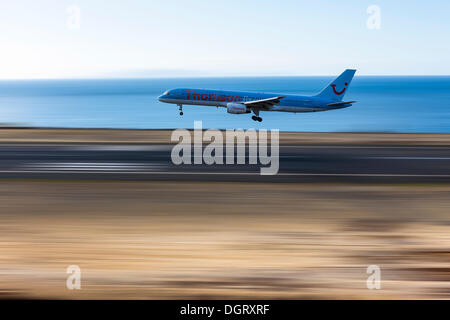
<point>180,107</point>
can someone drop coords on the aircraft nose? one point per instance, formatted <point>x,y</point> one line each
<point>163,97</point>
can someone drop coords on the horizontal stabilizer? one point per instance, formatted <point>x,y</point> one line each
<point>340,103</point>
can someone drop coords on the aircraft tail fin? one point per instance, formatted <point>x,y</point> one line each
<point>337,88</point>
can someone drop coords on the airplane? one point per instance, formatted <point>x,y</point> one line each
<point>240,102</point>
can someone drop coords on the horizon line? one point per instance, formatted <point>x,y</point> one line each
<point>222,76</point>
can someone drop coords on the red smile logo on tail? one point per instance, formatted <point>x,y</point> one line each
<point>339,92</point>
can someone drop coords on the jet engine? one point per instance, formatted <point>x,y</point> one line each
<point>237,108</point>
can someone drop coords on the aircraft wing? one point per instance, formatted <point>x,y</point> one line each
<point>263,103</point>
<point>340,103</point>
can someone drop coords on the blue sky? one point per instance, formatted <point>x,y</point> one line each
<point>137,38</point>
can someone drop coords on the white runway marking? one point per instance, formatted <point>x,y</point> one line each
<point>92,166</point>
<point>128,147</point>
<point>365,147</point>
<point>380,158</point>
<point>408,158</point>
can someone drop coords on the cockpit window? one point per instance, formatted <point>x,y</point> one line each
<point>166,93</point>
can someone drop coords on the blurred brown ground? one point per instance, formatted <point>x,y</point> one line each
<point>156,240</point>
<point>44,135</point>
<point>188,240</point>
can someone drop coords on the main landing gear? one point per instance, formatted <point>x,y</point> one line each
<point>256,117</point>
<point>180,107</point>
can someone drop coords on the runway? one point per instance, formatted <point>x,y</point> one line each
<point>297,163</point>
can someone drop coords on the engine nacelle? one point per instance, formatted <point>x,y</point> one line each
<point>237,108</point>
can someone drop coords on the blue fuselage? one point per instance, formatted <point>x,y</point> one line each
<point>221,98</point>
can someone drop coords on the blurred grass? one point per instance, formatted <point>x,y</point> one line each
<point>185,240</point>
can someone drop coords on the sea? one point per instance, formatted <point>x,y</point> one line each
<point>384,104</point>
